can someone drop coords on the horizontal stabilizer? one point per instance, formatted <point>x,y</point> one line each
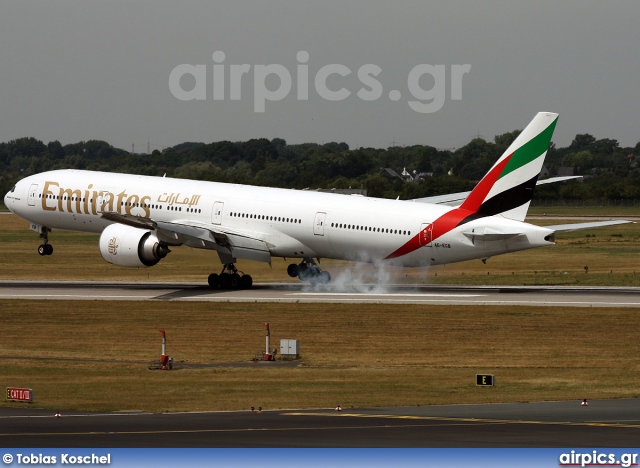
<point>579,226</point>
<point>488,233</point>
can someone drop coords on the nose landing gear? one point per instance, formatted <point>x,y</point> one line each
<point>45,248</point>
<point>230,278</point>
<point>309,271</point>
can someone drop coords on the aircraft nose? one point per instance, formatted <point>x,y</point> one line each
<point>8,199</point>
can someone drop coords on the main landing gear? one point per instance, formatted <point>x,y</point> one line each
<point>45,248</point>
<point>230,278</point>
<point>309,271</point>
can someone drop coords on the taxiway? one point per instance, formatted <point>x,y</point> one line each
<point>604,423</point>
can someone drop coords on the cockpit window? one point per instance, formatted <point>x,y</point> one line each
<point>13,189</point>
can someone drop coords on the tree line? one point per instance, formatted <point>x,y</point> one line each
<point>611,171</point>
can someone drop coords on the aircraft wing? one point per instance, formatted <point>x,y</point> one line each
<point>553,180</point>
<point>130,220</point>
<point>451,199</point>
<point>455,199</point>
<point>594,224</point>
<point>229,242</point>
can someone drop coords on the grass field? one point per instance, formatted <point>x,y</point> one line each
<point>353,355</point>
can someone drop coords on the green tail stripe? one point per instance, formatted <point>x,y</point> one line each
<point>531,150</point>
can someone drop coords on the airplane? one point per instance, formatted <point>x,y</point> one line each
<point>140,218</point>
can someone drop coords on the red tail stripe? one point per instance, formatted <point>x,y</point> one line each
<point>441,226</point>
<point>451,219</point>
<point>479,193</point>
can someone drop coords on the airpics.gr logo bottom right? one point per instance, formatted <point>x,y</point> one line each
<point>595,458</point>
<point>329,82</point>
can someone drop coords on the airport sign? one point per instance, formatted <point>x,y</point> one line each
<point>20,394</point>
<point>485,380</point>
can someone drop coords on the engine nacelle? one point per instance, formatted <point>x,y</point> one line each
<point>131,247</point>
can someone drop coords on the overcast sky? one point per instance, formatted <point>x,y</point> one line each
<point>80,70</point>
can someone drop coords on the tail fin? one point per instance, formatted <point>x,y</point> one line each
<point>507,188</point>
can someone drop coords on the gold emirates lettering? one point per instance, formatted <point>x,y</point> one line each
<point>56,198</point>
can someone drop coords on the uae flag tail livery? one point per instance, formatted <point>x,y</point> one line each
<point>507,189</point>
<point>492,213</point>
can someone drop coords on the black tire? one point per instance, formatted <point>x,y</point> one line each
<point>214,280</point>
<point>224,281</point>
<point>49,248</point>
<point>303,272</point>
<point>292,270</point>
<point>314,270</point>
<point>234,281</point>
<point>324,277</point>
<point>42,250</point>
<point>246,281</point>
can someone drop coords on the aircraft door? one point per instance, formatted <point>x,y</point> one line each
<point>32,194</point>
<point>216,216</point>
<point>318,224</point>
<point>426,235</point>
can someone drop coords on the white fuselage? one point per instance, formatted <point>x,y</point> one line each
<point>292,223</point>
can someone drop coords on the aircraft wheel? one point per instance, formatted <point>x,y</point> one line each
<point>49,249</point>
<point>246,281</point>
<point>214,280</point>
<point>303,272</point>
<point>225,280</point>
<point>42,249</point>
<point>292,270</point>
<point>234,281</point>
<point>324,277</point>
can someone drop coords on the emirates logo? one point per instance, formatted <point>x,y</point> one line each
<point>113,246</point>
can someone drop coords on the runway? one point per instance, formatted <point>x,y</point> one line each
<point>604,423</point>
<point>556,296</point>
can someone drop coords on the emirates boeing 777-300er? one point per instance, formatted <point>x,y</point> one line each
<point>140,218</point>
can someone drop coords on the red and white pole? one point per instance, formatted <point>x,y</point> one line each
<point>164,358</point>
<point>267,354</point>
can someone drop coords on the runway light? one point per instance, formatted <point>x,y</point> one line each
<point>58,415</point>
<point>338,408</point>
<point>584,402</point>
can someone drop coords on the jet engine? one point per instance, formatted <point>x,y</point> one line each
<point>131,247</point>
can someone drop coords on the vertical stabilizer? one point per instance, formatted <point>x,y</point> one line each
<point>507,189</point>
